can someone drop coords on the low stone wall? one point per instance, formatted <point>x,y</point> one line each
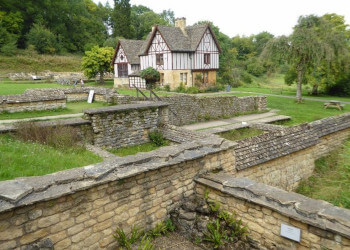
<point>188,109</point>
<point>126,125</point>
<point>264,208</point>
<point>82,207</point>
<point>30,102</point>
<point>47,74</point>
<point>286,155</point>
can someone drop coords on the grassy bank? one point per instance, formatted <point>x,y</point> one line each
<point>133,150</point>
<point>26,61</point>
<point>331,180</point>
<point>18,158</point>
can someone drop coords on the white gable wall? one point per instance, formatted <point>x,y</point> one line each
<point>158,46</point>
<point>206,45</point>
<point>121,58</point>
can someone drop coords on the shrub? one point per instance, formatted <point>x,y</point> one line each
<point>181,88</point>
<point>151,76</point>
<point>157,138</point>
<point>246,77</point>
<point>43,39</point>
<point>167,88</point>
<point>192,90</point>
<point>61,137</point>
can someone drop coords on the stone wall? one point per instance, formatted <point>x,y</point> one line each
<point>30,102</point>
<point>126,125</point>
<point>188,109</point>
<point>287,171</point>
<point>285,156</point>
<point>81,208</point>
<point>264,208</point>
<point>47,74</point>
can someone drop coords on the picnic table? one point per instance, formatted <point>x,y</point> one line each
<point>335,104</point>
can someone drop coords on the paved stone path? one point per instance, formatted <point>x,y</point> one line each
<point>237,122</point>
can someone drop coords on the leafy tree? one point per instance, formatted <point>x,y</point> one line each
<point>42,39</point>
<point>97,61</point>
<point>143,18</point>
<point>151,76</point>
<point>304,49</point>
<point>121,19</point>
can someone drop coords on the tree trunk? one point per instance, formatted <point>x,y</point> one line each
<point>299,83</point>
<point>314,89</point>
<point>102,81</point>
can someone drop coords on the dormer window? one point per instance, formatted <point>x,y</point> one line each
<point>159,59</point>
<point>207,58</point>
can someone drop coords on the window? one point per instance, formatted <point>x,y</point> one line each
<point>183,78</point>
<point>206,58</point>
<point>122,70</point>
<point>159,59</point>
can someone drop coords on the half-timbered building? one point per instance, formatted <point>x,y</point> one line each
<point>188,55</point>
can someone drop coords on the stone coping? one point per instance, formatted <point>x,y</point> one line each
<point>125,107</point>
<point>317,213</point>
<point>28,190</point>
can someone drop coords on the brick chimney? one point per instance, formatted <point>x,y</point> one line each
<point>180,23</point>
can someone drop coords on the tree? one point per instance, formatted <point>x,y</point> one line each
<point>97,62</point>
<point>304,49</point>
<point>43,40</point>
<point>151,76</point>
<point>121,19</point>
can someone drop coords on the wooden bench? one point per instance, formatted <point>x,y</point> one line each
<point>333,104</point>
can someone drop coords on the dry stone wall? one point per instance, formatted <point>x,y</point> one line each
<point>286,155</point>
<point>264,208</point>
<point>81,208</point>
<point>188,109</point>
<point>29,102</point>
<point>126,125</point>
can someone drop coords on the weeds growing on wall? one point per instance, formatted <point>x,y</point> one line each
<point>223,227</point>
<point>141,238</point>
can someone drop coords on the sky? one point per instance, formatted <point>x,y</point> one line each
<point>247,17</point>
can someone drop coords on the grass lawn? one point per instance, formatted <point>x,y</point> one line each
<point>240,134</point>
<point>19,159</point>
<point>9,87</point>
<point>72,108</point>
<point>331,180</point>
<point>133,150</point>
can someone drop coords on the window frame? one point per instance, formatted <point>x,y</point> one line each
<point>207,58</point>
<point>160,59</point>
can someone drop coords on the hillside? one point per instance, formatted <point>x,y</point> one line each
<point>33,62</point>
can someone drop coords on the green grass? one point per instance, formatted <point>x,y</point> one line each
<point>300,112</point>
<point>331,180</point>
<point>8,87</point>
<point>72,108</point>
<point>19,159</point>
<point>26,61</point>
<point>305,112</point>
<point>240,134</point>
<point>132,150</point>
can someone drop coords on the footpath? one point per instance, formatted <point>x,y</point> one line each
<point>237,122</point>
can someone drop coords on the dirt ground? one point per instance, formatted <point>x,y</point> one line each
<point>175,241</point>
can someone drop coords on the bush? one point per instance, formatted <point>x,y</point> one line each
<point>157,138</point>
<point>43,40</point>
<point>246,77</point>
<point>181,88</point>
<point>151,76</point>
<point>167,88</point>
<point>192,90</point>
<point>9,49</point>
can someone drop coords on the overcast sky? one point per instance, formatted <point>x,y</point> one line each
<point>246,17</point>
